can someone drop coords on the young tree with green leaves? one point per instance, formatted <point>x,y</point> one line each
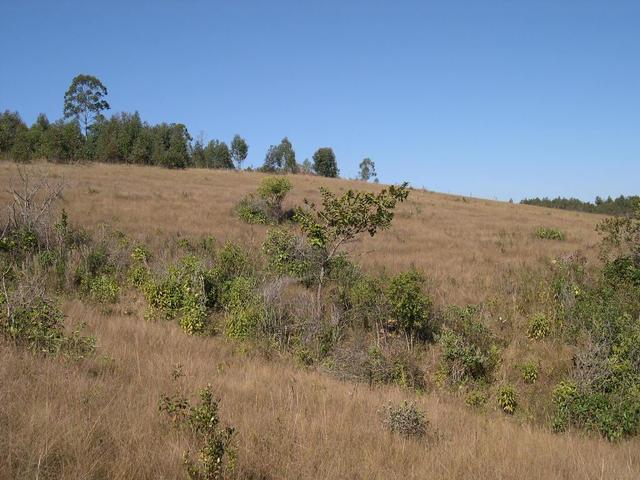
<point>324,162</point>
<point>84,100</point>
<point>239,150</point>
<point>342,219</point>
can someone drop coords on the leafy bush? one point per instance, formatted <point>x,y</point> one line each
<point>104,289</point>
<point>245,309</point>
<point>547,233</point>
<point>469,349</point>
<point>410,306</point>
<point>216,455</point>
<point>538,327</point>
<point>368,303</point>
<point>266,208</point>
<point>507,399</point>
<point>529,371</point>
<point>476,399</point>
<point>405,419</point>
<point>182,293</point>
<point>288,255</point>
<point>30,319</point>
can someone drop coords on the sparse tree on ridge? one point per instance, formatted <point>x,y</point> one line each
<point>367,170</point>
<point>84,100</point>
<point>324,162</point>
<point>239,150</point>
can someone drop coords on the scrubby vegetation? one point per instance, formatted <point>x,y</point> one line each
<point>303,298</point>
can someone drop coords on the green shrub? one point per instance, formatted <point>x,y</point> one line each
<point>288,255</point>
<point>547,233</point>
<point>469,350</point>
<point>538,327</point>
<point>507,399</point>
<point>529,371</point>
<point>476,399</point>
<point>35,322</point>
<point>182,294</point>
<point>405,419</point>
<point>216,455</point>
<point>253,210</point>
<point>104,289</point>
<point>245,309</point>
<point>368,303</point>
<point>266,208</point>
<point>410,306</point>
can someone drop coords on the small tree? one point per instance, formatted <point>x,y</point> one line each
<point>343,219</point>
<point>324,162</point>
<point>217,155</point>
<point>84,100</point>
<point>239,150</point>
<point>367,170</point>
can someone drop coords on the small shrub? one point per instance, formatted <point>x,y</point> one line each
<point>266,208</point>
<point>469,350</point>
<point>410,306</point>
<point>405,419</point>
<point>507,399</point>
<point>245,310</point>
<point>547,233</point>
<point>31,320</point>
<point>288,255</point>
<point>476,399</point>
<point>529,372</point>
<point>216,455</point>
<point>104,289</point>
<point>538,327</point>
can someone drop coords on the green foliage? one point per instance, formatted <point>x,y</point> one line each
<point>618,206</point>
<point>84,100</point>
<point>409,305</point>
<point>35,322</point>
<point>343,218</point>
<point>507,399</point>
<point>547,233</point>
<point>11,125</point>
<point>530,371</point>
<point>288,255</point>
<point>266,208</point>
<point>62,142</point>
<point>324,162</point>
<point>369,305</point>
<point>280,158</point>
<point>239,150</point>
<point>104,289</point>
<point>405,419</point>
<point>245,309</point>
<point>367,170</point>
<point>216,455</point>
<point>183,293</point>
<point>469,349</point>
<point>538,327</point>
<point>476,399</point>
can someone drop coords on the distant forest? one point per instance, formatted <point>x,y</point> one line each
<point>609,206</point>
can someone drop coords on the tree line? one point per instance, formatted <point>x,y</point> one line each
<point>610,206</point>
<point>85,133</point>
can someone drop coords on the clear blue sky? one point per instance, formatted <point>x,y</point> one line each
<point>499,99</point>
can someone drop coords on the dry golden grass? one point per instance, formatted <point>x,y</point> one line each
<point>99,418</point>
<point>463,244</point>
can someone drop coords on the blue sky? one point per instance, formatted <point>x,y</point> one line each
<point>498,99</point>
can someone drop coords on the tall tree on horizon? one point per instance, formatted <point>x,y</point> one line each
<point>324,162</point>
<point>84,100</point>
<point>239,150</point>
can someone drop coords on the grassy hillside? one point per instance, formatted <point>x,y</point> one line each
<point>99,418</point>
